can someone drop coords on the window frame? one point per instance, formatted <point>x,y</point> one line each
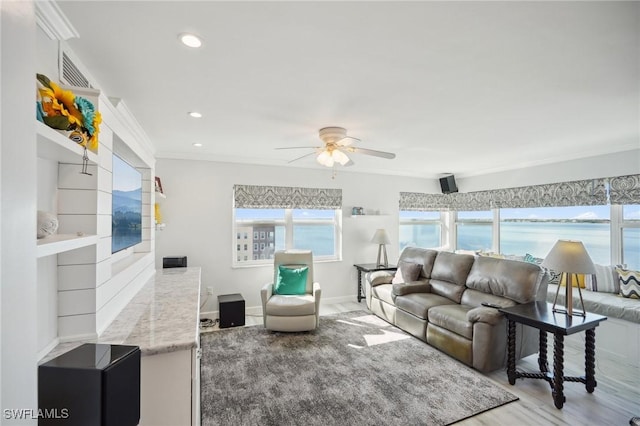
<point>416,221</point>
<point>288,223</point>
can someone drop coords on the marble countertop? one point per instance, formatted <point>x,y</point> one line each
<point>162,317</point>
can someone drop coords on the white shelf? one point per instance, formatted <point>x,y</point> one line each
<point>368,215</point>
<point>60,243</point>
<point>52,145</point>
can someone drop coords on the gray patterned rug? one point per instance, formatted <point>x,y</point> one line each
<point>355,369</point>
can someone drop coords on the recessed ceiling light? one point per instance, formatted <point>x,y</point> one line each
<point>197,145</point>
<point>195,114</point>
<point>190,40</point>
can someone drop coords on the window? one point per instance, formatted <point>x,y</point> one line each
<point>536,230</point>
<point>474,230</point>
<point>303,229</point>
<point>238,237</point>
<point>245,247</point>
<point>238,247</point>
<point>631,236</point>
<point>246,235</point>
<point>420,229</point>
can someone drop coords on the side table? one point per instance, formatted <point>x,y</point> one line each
<point>541,316</point>
<point>369,267</point>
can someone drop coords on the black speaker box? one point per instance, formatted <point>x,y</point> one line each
<point>448,184</point>
<point>93,384</point>
<point>174,262</point>
<point>231,308</point>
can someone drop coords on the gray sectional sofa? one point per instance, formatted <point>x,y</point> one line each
<point>443,304</point>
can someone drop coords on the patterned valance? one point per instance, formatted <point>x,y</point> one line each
<point>286,197</point>
<point>624,189</point>
<point>417,201</point>
<point>590,192</point>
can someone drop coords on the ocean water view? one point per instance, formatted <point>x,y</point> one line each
<point>535,238</point>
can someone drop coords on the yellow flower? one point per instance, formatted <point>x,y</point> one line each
<point>93,140</point>
<point>68,99</point>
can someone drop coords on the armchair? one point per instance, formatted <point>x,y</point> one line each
<point>291,312</point>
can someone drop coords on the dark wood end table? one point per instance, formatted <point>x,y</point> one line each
<point>540,315</point>
<point>369,267</point>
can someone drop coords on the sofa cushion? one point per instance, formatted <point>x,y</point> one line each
<point>515,280</point>
<point>452,318</point>
<point>473,297</point>
<point>418,304</point>
<point>407,272</point>
<point>452,268</point>
<point>420,256</point>
<point>288,306</point>
<point>383,292</point>
<point>629,283</point>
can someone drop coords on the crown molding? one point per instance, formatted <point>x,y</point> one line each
<point>53,21</point>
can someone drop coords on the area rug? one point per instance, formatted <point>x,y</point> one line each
<point>355,369</point>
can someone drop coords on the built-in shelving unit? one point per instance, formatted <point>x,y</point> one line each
<point>60,243</point>
<point>53,145</point>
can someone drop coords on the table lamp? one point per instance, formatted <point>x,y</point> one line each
<point>381,238</point>
<point>569,258</point>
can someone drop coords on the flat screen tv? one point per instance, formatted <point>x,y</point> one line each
<point>126,213</point>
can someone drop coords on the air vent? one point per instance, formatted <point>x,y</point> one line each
<point>71,74</point>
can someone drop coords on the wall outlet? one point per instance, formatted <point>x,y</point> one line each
<point>210,291</point>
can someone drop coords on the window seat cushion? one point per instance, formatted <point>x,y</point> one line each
<point>609,304</point>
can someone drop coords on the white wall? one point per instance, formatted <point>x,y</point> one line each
<point>198,214</point>
<point>609,165</point>
<point>18,200</point>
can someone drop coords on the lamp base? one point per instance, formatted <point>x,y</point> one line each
<point>382,249</point>
<point>568,301</point>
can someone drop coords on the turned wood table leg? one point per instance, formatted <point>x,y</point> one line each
<point>590,360</point>
<point>511,351</point>
<point>558,370</point>
<point>542,354</point>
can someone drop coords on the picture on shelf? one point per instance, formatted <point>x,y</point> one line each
<point>126,219</point>
<point>159,185</point>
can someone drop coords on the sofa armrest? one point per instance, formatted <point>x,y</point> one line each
<point>412,287</point>
<point>484,314</point>
<point>265,294</point>
<point>379,277</point>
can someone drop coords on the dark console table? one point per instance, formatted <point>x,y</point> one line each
<point>369,267</point>
<point>540,315</point>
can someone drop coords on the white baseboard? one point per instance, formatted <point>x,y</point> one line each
<point>79,337</point>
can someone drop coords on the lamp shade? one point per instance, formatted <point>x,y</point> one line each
<point>570,257</point>
<point>380,237</point>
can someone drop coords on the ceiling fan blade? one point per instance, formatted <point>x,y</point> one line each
<point>346,141</point>
<point>300,158</point>
<point>373,152</point>
<point>299,147</point>
<point>349,163</point>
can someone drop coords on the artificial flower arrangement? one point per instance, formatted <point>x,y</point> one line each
<point>61,109</point>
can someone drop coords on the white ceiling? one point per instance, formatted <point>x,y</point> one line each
<point>460,87</point>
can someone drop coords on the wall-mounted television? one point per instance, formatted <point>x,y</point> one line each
<point>126,206</point>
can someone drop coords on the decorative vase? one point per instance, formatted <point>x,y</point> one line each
<point>47,224</point>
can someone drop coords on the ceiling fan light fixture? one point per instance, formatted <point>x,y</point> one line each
<point>325,158</point>
<point>340,157</point>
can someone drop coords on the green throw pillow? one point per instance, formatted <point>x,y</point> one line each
<point>291,280</point>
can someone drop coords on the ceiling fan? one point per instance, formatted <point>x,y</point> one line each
<point>336,146</point>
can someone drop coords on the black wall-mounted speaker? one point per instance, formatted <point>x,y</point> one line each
<point>448,184</point>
